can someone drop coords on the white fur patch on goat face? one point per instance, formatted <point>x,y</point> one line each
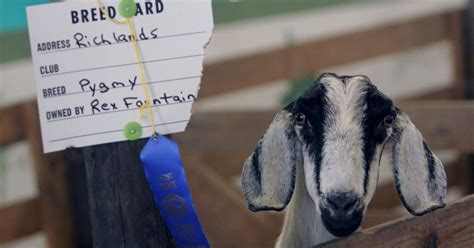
<point>342,164</point>
<point>342,136</point>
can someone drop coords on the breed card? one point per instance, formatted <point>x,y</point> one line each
<point>87,73</point>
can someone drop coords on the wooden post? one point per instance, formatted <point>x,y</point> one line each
<point>78,197</point>
<point>122,209</point>
<point>51,179</point>
<point>468,28</point>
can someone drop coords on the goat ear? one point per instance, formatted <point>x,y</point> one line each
<point>268,177</point>
<point>419,175</point>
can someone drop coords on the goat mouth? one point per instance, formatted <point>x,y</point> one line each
<point>341,226</point>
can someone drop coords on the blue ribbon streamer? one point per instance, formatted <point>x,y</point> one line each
<point>165,174</point>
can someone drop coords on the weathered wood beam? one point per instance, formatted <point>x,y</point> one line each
<point>308,58</point>
<point>377,216</point>
<point>223,211</point>
<point>11,125</point>
<point>19,220</point>
<point>444,124</point>
<point>78,197</point>
<point>455,34</point>
<point>449,227</point>
<point>450,92</point>
<point>122,210</point>
<point>52,183</point>
<point>457,173</point>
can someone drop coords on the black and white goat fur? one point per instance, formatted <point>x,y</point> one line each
<point>321,157</point>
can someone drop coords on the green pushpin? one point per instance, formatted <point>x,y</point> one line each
<point>127,8</point>
<point>132,131</point>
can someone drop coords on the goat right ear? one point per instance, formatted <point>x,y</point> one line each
<point>268,177</point>
<point>419,175</point>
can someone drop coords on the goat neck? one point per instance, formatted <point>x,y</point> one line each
<point>303,226</point>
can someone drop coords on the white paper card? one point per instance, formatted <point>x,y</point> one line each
<point>87,74</point>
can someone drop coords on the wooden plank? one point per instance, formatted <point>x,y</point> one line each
<point>450,92</point>
<point>225,131</point>
<point>454,26</point>
<point>11,125</point>
<point>223,212</point>
<point>449,227</point>
<point>122,209</point>
<point>308,58</point>
<point>444,124</point>
<point>52,183</point>
<point>19,220</point>
<point>78,197</point>
<point>377,216</point>
<point>457,173</point>
<point>469,70</point>
<point>468,29</point>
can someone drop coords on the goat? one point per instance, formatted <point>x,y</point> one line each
<point>321,157</point>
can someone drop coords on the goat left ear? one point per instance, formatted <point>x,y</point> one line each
<point>419,175</point>
<point>268,177</point>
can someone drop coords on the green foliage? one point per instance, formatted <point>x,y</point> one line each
<point>13,46</point>
<point>298,86</point>
<point>228,10</point>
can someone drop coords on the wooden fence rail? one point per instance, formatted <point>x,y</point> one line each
<point>308,58</point>
<point>449,227</point>
<point>20,219</point>
<point>50,211</point>
<point>444,124</point>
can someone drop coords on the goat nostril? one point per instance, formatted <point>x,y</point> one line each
<point>333,204</point>
<point>342,201</point>
<point>350,204</point>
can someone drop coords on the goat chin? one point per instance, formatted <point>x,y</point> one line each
<point>303,226</point>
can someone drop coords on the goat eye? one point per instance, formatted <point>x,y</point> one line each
<point>388,120</point>
<point>299,118</point>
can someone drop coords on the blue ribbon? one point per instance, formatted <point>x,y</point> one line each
<point>165,173</point>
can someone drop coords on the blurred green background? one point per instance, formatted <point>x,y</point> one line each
<point>14,36</point>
